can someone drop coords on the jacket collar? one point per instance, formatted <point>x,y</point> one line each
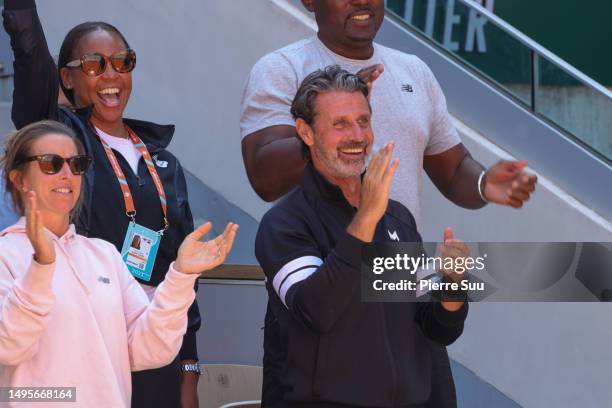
<point>156,137</point>
<point>316,184</point>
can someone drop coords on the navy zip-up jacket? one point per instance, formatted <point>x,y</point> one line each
<point>103,210</point>
<point>333,348</point>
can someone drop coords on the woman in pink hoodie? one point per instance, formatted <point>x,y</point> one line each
<point>71,315</point>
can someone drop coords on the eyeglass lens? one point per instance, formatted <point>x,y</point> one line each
<point>95,64</point>
<point>52,164</point>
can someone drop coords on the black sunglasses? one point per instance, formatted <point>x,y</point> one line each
<point>94,64</point>
<point>53,163</point>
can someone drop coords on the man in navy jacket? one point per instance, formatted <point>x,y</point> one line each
<point>323,346</point>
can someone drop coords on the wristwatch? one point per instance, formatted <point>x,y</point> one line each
<point>191,368</point>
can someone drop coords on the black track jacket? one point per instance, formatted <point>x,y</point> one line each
<point>333,348</point>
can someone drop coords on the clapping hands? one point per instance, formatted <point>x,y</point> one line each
<point>195,256</point>
<point>507,183</point>
<point>44,251</point>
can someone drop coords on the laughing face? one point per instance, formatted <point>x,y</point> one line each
<point>347,25</point>
<point>56,194</point>
<point>341,136</point>
<point>109,92</point>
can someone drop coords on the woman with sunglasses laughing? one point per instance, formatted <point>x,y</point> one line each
<point>134,185</point>
<point>71,314</point>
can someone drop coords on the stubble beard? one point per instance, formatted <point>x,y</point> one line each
<point>340,167</point>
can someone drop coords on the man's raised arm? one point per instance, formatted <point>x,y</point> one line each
<point>273,160</point>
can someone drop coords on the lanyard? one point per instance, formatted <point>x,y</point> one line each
<point>130,208</point>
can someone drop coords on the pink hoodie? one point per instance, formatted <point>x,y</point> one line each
<point>83,321</point>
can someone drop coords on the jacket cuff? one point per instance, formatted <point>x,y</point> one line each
<point>19,4</point>
<point>450,319</point>
<point>189,348</point>
<point>348,249</point>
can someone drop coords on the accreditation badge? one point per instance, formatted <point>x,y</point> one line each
<point>139,250</point>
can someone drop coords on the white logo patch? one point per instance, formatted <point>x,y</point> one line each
<point>160,163</point>
<point>393,235</point>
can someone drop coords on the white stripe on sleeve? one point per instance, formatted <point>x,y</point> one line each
<point>294,272</point>
<point>294,278</point>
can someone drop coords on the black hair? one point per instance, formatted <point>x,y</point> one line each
<point>72,40</point>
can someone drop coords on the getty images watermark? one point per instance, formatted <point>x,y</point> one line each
<point>547,271</point>
<point>428,265</point>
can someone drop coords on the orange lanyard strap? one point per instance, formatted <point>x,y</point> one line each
<point>130,208</point>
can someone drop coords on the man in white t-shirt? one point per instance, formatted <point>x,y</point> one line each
<point>408,104</point>
<point>408,107</point>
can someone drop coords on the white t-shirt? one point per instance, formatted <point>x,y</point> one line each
<point>123,146</point>
<point>407,103</point>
